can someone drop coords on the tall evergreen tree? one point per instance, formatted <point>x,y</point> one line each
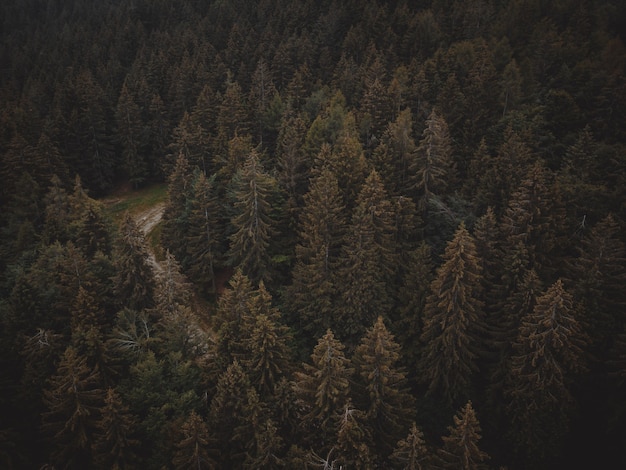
<point>367,262</point>
<point>134,280</point>
<point>460,448</point>
<point>73,398</point>
<point>453,321</point>
<point>114,444</point>
<point>253,224</point>
<point>433,168</point>
<point>193,450</point>
<point>322,226</point>
<point>131,136</point>
<point>268,355</point>
<point>175,215</point>
<point>548,354</point>
<point>354,439</point>
<point>412,453</point>
<point>322,389</point>
<point>381,388</point>
<point>205,244</point>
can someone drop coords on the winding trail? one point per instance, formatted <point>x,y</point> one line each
<point>146,221</point>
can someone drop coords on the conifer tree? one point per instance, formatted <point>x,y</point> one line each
<point>134,281</point>
<point>175,215</point>
<point>292,163</point>
<point>412,453</point>
<point>407,322</point>
<point>433,168</point>
<point>228,412</point>
<point>266,449</point>
<point>204,233</point>
<point>402,148</point>
<point>73,398</point>
<point>548,354</point>
<point>453,321</point>
<point>354,440</point>
<point>598,276</point>
<point>367,262</point>
<point>193,450</point>
<point>252,222</point>
<point>131,135</point>
<point>381,388</point>
<point>114,444</point>
<point>268,355</point>
<point>460,448</point>
<point>535,218</point>
<point>322,389</point>
<point>322,226</point>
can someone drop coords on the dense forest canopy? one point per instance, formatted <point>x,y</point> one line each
<point>394,234</point>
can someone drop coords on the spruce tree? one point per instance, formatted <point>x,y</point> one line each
<point>134,280</point>
<point>381,388</point>
<point>73,398</point>
<point>322,388</point>
<point>311,295</point>
<point>367,262</point>
<point>548,355</point>
<point>268,356</point>
<point>460,447</point>
<point>204,234</point>
<point>131,136</point>
<point>115,444</point>
<point>433,169</point>
<point>412,453</point>
<point>453,322</point>
<point>354,440</point>
<point>252,222</point>
<point>175,215</point>
<point>227,413</point>
<point>193,450</point>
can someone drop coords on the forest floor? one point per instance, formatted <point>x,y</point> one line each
<point>146,206</point>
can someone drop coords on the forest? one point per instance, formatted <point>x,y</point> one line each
<point>393,236</point>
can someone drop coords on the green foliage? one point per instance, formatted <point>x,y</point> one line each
<point>329,151</point>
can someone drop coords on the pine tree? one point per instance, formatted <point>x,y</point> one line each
<point>204,234</point>
<point>268,355</point>
<point>73,398</point>
<point>322,389</point>
<point>407,322</point>
<point>114,444</point>
<point>535,218</point>
<point>367,262</point>
<point>597,276</point>
<point>354,440</point>
<point>253,224</point>
<point>193,450</point>
<point>453,321</point>
<point>228,412</point>
<point>381,388</point>
<point>175,215</point>
<point>267,448</point>
<point>460,448</point>
<point>548,355</point>
<point>321,228</point>
<point>433,168</point>
<point>402,148</point>
<point>134,281</point>
<point>412,453</point>
<point>130,133</point>
<point>292,163</point>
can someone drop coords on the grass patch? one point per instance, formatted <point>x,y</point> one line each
<point>134,201</point>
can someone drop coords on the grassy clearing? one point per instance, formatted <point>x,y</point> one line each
<point>134,201</point>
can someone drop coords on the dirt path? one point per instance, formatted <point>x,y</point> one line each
<point>146,221</point>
